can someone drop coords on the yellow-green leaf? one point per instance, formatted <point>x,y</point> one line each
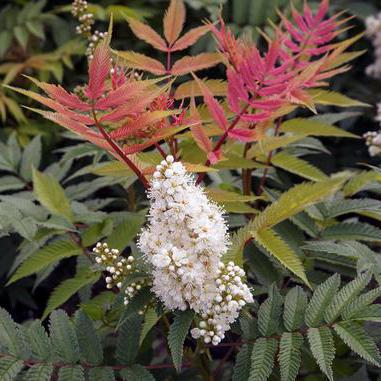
<point>310,127</point>
<point>281,251</point>
<point>298,166</point>
<point>50,194</point>
<point>332,98</point>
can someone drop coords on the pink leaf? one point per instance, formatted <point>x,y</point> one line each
<point>214,107</point>
<point>243,135</point>
<point>99,70</point>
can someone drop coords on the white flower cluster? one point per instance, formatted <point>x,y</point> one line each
<point>184,241</point>
<point>79,10</point>
<point>373,30</point>
<point>373,141</point>
<point>118,268</point>
<point>230,296</point>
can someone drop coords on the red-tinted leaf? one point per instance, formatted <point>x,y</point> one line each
<point>215,156</point>
<point>190,38</point>
<point>147,34</point>
<point>190,64</point>
<point>243,135</point>
<point>174,20</point>
<point>141,62</point>
<point>99,70</point>
<point>214,107</point>
<point>61,95</point>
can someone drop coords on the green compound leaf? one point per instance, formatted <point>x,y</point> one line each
<point>354,335</point>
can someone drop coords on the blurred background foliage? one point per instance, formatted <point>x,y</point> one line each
<point>38,38</point>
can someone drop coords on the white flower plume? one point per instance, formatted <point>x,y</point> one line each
<point>184,241</point>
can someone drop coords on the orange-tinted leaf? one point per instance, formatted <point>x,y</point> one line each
<point>139,123</point>
<point>190,38</point>
<point>99,70</point>
<point>141,62</point>
<point>174,20</point>
<point>54,105</point>
<point>201,138</point>
<point>189,64</point>
<point>59,94</point>
<point>124,93</point>
<point>147,34</point>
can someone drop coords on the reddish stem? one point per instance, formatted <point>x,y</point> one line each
<point>222,141</point>
<point>268,161</point>
<point>119,151</point>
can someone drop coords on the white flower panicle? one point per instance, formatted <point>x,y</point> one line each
<point>185,238</point>
<point>184,241</point>
<point>118,268</point>
<point>231,295</point>
<point>373,141</point>
<point>373,30</point>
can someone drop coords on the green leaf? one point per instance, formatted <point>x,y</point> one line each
<point>320,300</point>
<point>370,313</point>
<point>22,35</point>
<point>345,296</point>
<point>281,251</point>
<point>340,207</point>
<point>10,367</point>
<point>310,127</point>
<point>90,348</point>
<point>298,166</point>
<point>290,355</point>
<point>39,341</point>
<point>150,319</point>
<point>39,372</point>
<point>50,194</point>
<point>359,181</point>
<point>288,205</point>
<point>10,336</point>
<point>351,231</point>
<point>71,373</point>
<point>177,334</point>
<point>354,335</point>
<point>294,307</point>
<point>322,348</point>
<point>295,200</point>
<point>361,303</point>
<point>96,232</point>
<point>11,183</point>
<point>137,373</point>
<point>67,289</point>
<point>126,231</point>
<point>128,340</point>
<point>269,313</point>
<point>101,374</point>
<point>45,257</point>
<point>242,365</point>
<point>31,157</point>
<point>262,359</point>
<point>5,41</point>
<point>64,338</point>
